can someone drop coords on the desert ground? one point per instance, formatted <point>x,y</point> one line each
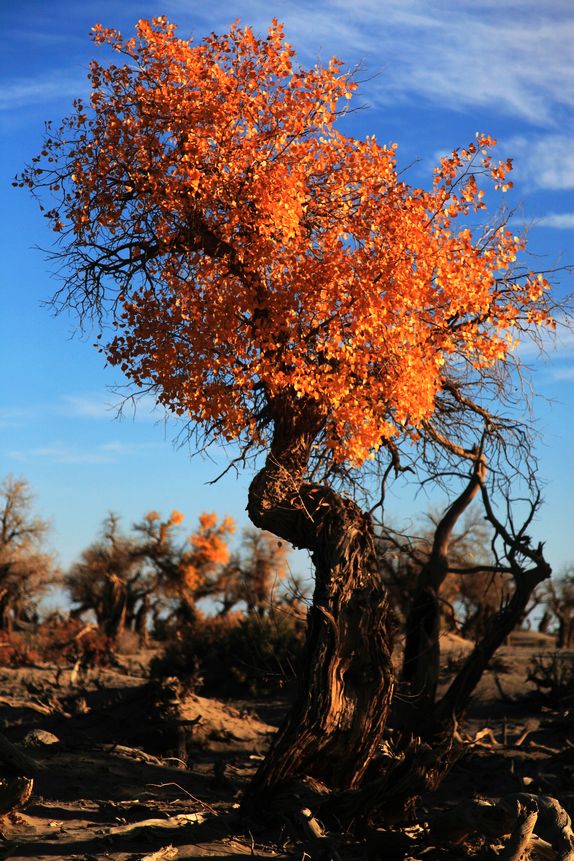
<point>128,769</point>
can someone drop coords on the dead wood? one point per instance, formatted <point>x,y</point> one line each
<point>455,824</point>
<point>165,854</point>
<point>519,554</point>
<point>528,820</point>
<point>525,820</point>
<point>421,660</point>
<point>14,793</point>
<point>531,726</point>
<point>553,822</point>
<point>181,820</point>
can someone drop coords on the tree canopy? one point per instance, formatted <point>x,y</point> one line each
<point>254,257</point>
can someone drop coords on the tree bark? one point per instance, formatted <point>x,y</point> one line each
<point>421,659</point>
<point>347,680</point>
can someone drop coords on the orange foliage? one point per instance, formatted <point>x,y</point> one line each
<point>258,252</point>
<point>182,567</point>
<point>209,542</point>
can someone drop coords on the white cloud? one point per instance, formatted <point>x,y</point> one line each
<point>107,406</point>
<point>71,454</point>
<point>561,221</point>
<point>514,56</point>
<point>32,91</point>
<point>551,345</point>
<point>563,373</point>
<point>558,221</point>
<point>15,417</point>
<point>545,161</point>
<point>89,406</point>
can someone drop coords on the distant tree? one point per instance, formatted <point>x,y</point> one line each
<point>276,282</point>
<point>557,598</point>
<point>124,579</point>
<point>472,591</point>
<point>254,574</point>
<point>190,570</point>
<point>110,578</point>
<point>27,570</point>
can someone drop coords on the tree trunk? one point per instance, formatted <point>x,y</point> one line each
<point>5,615</point>
<point>141,620</point>
<point>501,625</point>
<point>336,723</point>
<point>115,602</point>
<point>421,659</point>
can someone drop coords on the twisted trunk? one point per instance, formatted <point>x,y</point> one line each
<point>346,682</point>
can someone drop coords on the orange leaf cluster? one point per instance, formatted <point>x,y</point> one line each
<point>257,251</point>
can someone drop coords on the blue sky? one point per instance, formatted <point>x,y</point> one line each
<point>433,73</point>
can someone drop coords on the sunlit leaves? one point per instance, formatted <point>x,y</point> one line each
<point>257,252</point>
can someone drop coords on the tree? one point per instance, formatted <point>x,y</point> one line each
<point>111,579</point>
<point>514,562</point>
<point>472,590</point>
<point>253,574</point>
<point>275,282</point>
<point>558,598</point>
<point>26,570</point>
<point>190,571</point>
<point>121,576</point>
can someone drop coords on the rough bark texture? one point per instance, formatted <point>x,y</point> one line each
<point>346,685</point>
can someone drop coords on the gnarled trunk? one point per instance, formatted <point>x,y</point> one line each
<point>346,684</point>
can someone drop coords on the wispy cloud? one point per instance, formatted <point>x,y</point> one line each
<point>96,406</point>
<point>564,374</point>
<point>551,346</point>
<point>91,406</point>
<point>514,56</point>
<point>70,454</point>
<point>22,92</point>
<point>557,221</point>
<point>544,161</point>
<point>15,417</point>
<point>107,405</point>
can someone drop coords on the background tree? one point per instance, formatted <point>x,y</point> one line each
<point>124,579</point>
<point>111,579</point>
<point>253,575</point>
<point>186,571</point>
<point>472,591</point>
<point>27,570</point>
<point>276,282</point>
<point>557,598</point>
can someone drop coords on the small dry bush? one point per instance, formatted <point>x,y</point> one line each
<point>60,642</point>
<point>235,655</point>
<point>18,649</point>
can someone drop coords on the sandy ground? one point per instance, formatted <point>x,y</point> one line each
<point>113,785</point>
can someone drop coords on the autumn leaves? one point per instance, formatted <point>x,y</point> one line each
<point>253,251</point>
